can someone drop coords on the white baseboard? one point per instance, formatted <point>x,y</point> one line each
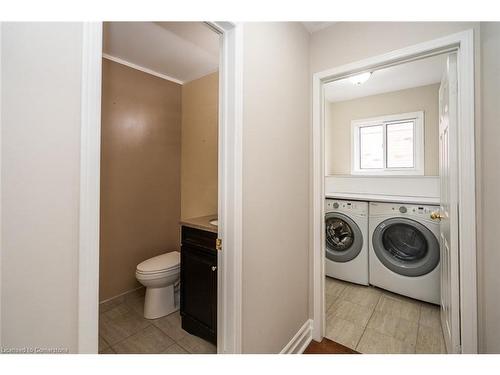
<point>121,294</point>
<point>300,341</point>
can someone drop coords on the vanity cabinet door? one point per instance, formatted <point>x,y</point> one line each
<point>199,291</point>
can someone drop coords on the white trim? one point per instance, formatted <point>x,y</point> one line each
<point>120,295</point>
<point>463,43</point>
<point>141,68</point>
<point>300,340</point>
<point>467,194</point>
<point>230,188</point>
<point>1,127</point>
<point>384,121</point>
<point>229,309</point>
<point>88,256</point>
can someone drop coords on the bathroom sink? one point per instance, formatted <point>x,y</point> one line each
<point>214,222</point>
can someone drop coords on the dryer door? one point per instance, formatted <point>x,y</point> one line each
<point>405,246</point>
<point>344,239</point>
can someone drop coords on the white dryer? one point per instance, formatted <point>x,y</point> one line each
<point>404,250</point>
<point>346,241</point>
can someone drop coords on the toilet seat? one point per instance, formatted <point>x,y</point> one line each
<point>160,264</point>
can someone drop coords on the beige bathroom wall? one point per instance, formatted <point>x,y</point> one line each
<point>199,161</point>
<point>40,160</point>
<point>140,173</point>
<point>276,126</point>
<point>338,126</point>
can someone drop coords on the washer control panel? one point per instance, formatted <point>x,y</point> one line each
<point>357,207</point>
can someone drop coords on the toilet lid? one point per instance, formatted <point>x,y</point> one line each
<point>160,263</point>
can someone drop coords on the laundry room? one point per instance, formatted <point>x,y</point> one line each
<point>389,207</point>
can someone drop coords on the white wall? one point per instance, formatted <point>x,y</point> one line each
<point>40,76</point>
<point>489,258</point>
<point>275,184</point>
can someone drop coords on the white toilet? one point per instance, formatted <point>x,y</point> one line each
<point>159,275</point>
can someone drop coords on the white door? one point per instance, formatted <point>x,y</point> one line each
<point>448,171</point>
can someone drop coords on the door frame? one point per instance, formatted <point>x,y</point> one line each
<point>230,187</point>
<point>463,44</point>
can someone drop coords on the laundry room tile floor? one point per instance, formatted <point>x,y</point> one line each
<point>374,321</point>
<point>123,330</point>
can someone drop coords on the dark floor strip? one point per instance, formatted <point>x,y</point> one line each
<point>328,347</point>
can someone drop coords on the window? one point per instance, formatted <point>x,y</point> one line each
<point>388,145</point>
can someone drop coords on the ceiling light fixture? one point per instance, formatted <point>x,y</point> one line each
<point>359,79</point>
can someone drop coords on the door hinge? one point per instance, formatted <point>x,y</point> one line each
<point>218,244</point>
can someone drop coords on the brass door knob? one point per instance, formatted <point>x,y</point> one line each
<point>436,215</point>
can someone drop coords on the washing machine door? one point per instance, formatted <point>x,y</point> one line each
<point>406,247</point>
<point>344,239</point>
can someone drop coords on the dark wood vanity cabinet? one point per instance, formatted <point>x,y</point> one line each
<point>199,283</point>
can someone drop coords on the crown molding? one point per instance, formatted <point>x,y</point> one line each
<point>141,68</point>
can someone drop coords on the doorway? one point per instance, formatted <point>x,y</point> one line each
<point>461,44</point>
<point>229,182</point>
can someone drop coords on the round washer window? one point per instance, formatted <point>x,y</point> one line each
<point>405,242</point>
<point>405,246</point>
<point>339,235</point>
<point>343,237</point>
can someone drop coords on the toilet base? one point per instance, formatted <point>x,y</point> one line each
<point>159,302</point>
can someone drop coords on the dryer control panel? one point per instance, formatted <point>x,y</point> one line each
<point>357,207</point>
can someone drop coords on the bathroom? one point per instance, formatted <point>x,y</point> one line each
<point>159,187</point>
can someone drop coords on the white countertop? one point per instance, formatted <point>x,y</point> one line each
<point>384,198</point>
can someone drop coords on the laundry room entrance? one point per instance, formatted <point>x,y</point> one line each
<point>391,137</point>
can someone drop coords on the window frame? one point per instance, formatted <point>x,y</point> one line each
<point>418,145</point>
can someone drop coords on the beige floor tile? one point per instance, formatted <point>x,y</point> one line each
<point>171,325</point>
<point>343,332</point>
<point>329,300</point>
<point>401,307</point>
<point>119,323</point>
<point>352,312</point>
<point>430,340</point>
<point>361,295</point>
<point>394,326</point>
<point>135,301</point>
<point>196,345</point>
<point>174,349</point>
<point>430,316</point>
<point>334,287</point>
<point>373,342</point>
<point>148,341</point>
<point>111,304</point>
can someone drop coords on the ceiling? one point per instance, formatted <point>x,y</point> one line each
<point>182,51</point>
<point>399,77</point>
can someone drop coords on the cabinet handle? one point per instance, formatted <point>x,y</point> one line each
<point>214,268</point>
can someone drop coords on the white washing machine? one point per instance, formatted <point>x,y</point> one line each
<point>346,240</point>
<point>404,250</point>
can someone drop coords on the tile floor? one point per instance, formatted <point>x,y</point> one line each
<point>375,321</point>
<point>123,330</point>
